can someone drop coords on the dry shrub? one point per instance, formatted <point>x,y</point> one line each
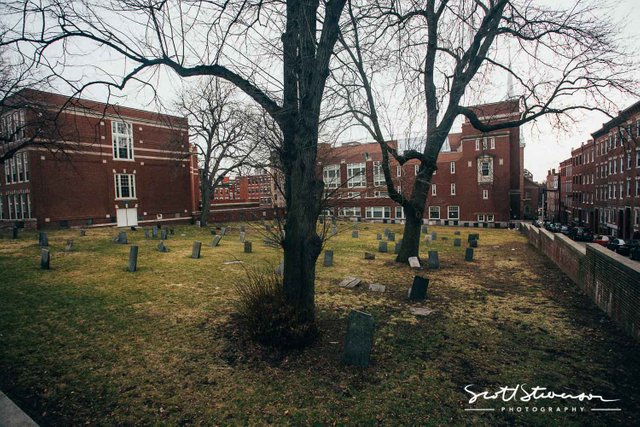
<point>267,316</point>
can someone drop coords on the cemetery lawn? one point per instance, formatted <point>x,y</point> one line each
<point>89,342</point>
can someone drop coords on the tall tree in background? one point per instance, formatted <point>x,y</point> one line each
<point>567,58</point>
<point>220,127</point>
<point>278,53</point>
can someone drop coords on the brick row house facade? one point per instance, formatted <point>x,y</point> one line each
<point>605,178</point>
<point>479,178</point>
<point>110,165</point>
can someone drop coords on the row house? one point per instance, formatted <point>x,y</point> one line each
<point>565,194</point>
<point>551,197</point>
<point>479,177</point>
<point>105,164</point>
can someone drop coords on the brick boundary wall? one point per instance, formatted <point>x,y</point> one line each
<point>610,280</point>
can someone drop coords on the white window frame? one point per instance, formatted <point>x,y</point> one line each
<point>452,168</point>
<point>357,175</point>
<point>331,181</point>
<point>452,209</point>
<point>354,195</point>
<point>453,188</point>
<point>485,194</point>
<point>378,212</point>
<point>119,138</point>
<point>434,189</point>
<point>400,211</point>
<point>398,171</point>
<point>378,174</point>
<point>433,210</point>
<point>131,184</point>
<point>351,211</point>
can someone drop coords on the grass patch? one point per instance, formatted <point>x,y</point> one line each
<point>89,342</point>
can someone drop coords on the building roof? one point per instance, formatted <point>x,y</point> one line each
<point>616,121</point>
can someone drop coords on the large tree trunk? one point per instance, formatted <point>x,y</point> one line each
<point>206,205</point>
<point>414,212</point>
<point>302,245</point>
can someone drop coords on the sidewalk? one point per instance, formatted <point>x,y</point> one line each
<point>11,415</point>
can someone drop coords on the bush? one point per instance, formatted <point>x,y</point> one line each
<point>268,318</point>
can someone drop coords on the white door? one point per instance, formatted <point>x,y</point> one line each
<point>127,217</point>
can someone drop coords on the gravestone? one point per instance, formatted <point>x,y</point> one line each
<point>43,239</point>
<point>69,246</point>
<point>418,290</point>
<point>427,238</point>
<point>223,231</point>
<point>382,246</point>
<point>359,340</point>
<point>378,236</point>
<point>334,231</point>
<point>457,242</point>
<point>122,238</point>
<point>433,261</point>
<point>146,233</point>
<point>396,250</point>
<point>350,282</point>
<point>328,258</point>
<point>162,247</point>
<point>164,234</point>
<point>386,232</point>
<point>154,231</point>
<point>354,234</point>
<point>213,231</point>
<point>195,251</point>
<point>247,247</point>
<point>216,241</point>
<point>83,232</point>
<point>376,287</point>
<point>172,231</point>
<point>369,256</point>
<point>473,236</point>
<point>280,269</point>
<point>414,262</point>
<point>242,236</point>
<point>468,254</point>
<point>425,229</point>
<point>333,220</point>
<point>421,311</point>
<point>434,236</point>
<point>456,233</point>
<point>473,243</point>
<point>243,229</point>
<point>14,233</point>
<point>133,258</point>
<point>45,259</point>
<point>391,236</point>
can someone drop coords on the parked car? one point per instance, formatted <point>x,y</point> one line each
<point>564,230</point>
<point>619,246</point>
<point>581,234</point>
<point>634,249</point>
<point>601,239</point>
<point>554,227</point>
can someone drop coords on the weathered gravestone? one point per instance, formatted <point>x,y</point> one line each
<point>369,256</point>
<point>391,236</point>
<point>376,287</point>
<point>280,269</point>
<point>350,282</point>
<point>45,259</point>
<point>247,247</point>
<point>418,290</point>
<point>195,251</point>
<point>434,236</point>
<point>333,220</point>
<point>242,236</point>
<point>43,239</point>
<point>427,238</point>
<point>216,241</point>
<point>83,232</point>
<point>164,234</point>
<point>378,236</point>
<point>213,231</point>
<point>223,231</point>
<point>354,234</point>
<point>473,236</point>
<point>14,233</point>
<point>468,254</point>
<point>457,242</point>
<point>162,247</point>
<point>133,258</point>
<point>334,231</point>
<point>69,246</point>
<point>433,261</point>
<point>154,231</point>
<point>328,258</point>
<point>414,262</point>
<point>425,229</point>
<point>473,243</point>
<point>359,340</point>
<point>146,233</point>
<point>122,238</point>
<point>382,246</point>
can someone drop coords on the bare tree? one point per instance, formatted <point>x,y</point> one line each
<point>220,127</point>
<point>234,41</point>
<point>445,50</point>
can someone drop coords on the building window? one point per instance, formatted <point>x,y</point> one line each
<point>376,212</point>
<point>434,212</point>
<point>485,218</point>
<point>434,190</point>
<point>122,136</point>
<point>356,174</point>
<point>398,171</point>
<point>452,167</point>
<point>453,189</point>
<point>399,212</point>
<point>378,174</point>
<point>486,142</point>
<point>416,169</point>
<point>350,211</point>
<point>453,212</point>
<point>331,176</point>
<point>380,194</point>
<point>354,195</point>
<point>12,126</point>
<point>485,169</point>
<point>485,194</point>
<point>125,186</point>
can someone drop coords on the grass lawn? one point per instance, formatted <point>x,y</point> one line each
<point>89,342</point>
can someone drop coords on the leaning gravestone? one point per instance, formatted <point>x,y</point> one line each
<point>433,261</point>
<point>195,251</point>
<point>414,262</point>
<point>369,256</point>
<point>216,241</point>
<point>45,259</point>
<point>359,340</point>
<point>43,239</point>
<point>162,247</point>
<point>354,234</point>
<point>473,243</point>
<point>69,246</point>
<point>425,229</point>
<point>382,246</point>
<point>378,236</point>
<point>418,290</point>
<point>223,231</point>
<point>247,247</point>
<point>328,258</point>
<point>133,259</point>
<point>154,232</point>
<point>242,236</point>
<point>391,236</point>
<point>146,233</point>
<point>468,254</point>
<point>457,242</point>
<point>122,238</point>
<point>349,282</point>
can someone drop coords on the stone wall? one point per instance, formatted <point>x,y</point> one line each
<point>610,280</point>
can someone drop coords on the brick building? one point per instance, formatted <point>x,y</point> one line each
<point>551,197</point>
<point>565,193</point>
<point>479,179</point>
<point>117,165</point>
<point>532,197</point>
<point>582,179</point>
